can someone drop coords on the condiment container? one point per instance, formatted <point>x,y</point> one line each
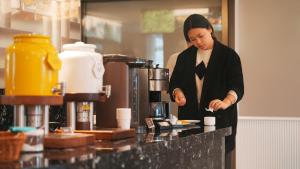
<point>34,141</point>
<point>209,120</point>
<point>209,123</point>
<point>34,138</point>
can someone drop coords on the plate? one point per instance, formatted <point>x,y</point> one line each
<point>178,126</point>
<point>188,121</point>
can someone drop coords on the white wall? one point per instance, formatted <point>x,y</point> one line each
<point>268,143</point>
<point>268,41</point>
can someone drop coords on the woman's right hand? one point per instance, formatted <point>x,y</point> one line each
<point>179,97</point>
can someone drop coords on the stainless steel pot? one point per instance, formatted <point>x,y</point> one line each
<point>158,79</point>
<point>158,74</point>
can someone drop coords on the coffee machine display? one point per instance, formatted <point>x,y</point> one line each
<point>158,109</point>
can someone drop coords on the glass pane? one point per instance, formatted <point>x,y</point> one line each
<point>59,19</point>
<point>144,28</point>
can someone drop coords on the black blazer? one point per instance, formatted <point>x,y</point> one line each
<point>223,73</point>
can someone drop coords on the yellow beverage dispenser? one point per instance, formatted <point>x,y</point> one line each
<point>31,66</point>
<point>31,80</point>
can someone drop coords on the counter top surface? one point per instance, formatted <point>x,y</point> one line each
<point>192,147</point>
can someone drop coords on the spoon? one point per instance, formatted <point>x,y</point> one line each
<point>209,109</point>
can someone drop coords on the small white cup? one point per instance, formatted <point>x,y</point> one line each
<point>209,121</point>
<point>123,116</point>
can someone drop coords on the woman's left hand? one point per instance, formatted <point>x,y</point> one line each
<point>217,104</point>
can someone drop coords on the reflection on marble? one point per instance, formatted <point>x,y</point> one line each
<point>191,149</point>
<point>6,115</point>
<point>181,149</point>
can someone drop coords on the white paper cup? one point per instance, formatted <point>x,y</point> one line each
<point>209,121</point>
<point>123,113</point>
<point>123,116</point>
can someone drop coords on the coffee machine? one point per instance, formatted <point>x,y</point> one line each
<point>158,109</point>
<point>137,85</point>
<point>128,77</point>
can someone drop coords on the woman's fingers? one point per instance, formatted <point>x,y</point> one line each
<point>180,98</point>
<point>212,103</point>
<point>215,104</point>
<point>218,104</point>
<point>182,101</point>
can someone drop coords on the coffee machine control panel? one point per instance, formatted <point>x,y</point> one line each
<point>158,125</point>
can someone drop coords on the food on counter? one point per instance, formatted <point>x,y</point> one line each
<point>187,121</point>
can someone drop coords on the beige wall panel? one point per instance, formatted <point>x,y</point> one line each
<point>268,41</point>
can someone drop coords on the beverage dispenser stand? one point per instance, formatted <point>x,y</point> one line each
<point>80,109</point>
<point>31,111</point>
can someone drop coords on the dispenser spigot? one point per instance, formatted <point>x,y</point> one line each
<point>106,90</point>
<point>59,89</point>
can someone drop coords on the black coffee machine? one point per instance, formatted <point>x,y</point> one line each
<point>158,109</point>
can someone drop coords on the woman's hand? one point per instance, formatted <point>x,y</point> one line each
<point>219,104</point>
<point>179,97</point>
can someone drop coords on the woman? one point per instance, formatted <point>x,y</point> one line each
<point>207,75</point>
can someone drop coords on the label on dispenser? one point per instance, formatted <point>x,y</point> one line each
<point>83,110</point>
<point>83,117</point>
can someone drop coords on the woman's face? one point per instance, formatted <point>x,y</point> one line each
<point>201,38</point>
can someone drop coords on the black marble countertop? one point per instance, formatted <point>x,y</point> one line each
<point>185,148</point>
